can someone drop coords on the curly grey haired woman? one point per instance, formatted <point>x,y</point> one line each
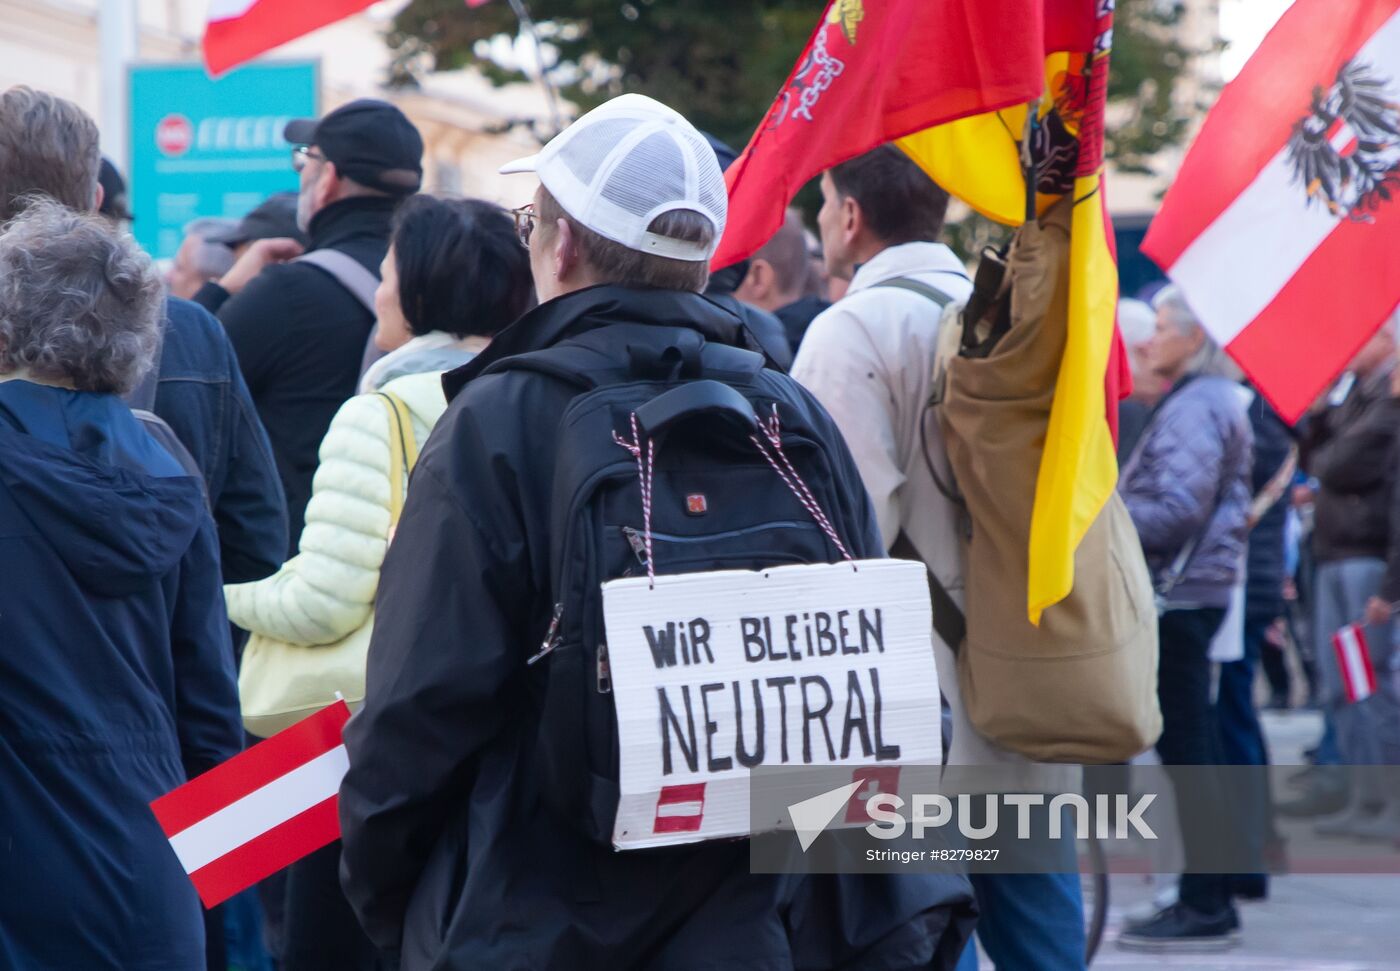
<point>116,674</point>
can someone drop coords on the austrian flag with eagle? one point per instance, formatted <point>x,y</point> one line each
<point>1283,225</point>
<point>1347,150</point>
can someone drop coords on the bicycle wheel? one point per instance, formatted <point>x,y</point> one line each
<point>1093,883</point>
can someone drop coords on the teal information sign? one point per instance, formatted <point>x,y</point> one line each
<point>203,147</point>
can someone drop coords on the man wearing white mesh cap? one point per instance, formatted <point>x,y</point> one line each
<point>480,802</point>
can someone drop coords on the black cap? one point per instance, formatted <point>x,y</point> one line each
<point>114,201</point>
<point>369,141</point>
<point>275,217</point>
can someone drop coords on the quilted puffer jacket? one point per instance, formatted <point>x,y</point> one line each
<point>1189,478</point>
<point>327,590</point>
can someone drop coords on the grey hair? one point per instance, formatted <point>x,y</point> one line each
<point>1136,321</point>
<point>79,302</point>
<point>1209,359</point>
<point>211,260</point>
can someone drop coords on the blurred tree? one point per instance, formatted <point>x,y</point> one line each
<point>1147,111</point>
<point>720,62</point>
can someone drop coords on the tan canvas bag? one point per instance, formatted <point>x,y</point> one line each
<point>1082,687</point>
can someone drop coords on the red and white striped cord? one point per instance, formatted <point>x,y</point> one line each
<point>646,470</point>
<point>772,450</point>
<point>772,431</point>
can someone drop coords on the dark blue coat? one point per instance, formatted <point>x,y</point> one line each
<point>116,684</point>
<point>203,398</point>
<point>1264,580</point>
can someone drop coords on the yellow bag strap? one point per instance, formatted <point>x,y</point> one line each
<point>403,451</point>
<point>408,439</point>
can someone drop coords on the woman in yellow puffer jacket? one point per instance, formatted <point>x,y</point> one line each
<point>454,275</point>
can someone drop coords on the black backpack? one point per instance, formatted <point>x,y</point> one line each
<point>700,416</point>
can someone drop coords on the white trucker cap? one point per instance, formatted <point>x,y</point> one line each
<point>626,162</point>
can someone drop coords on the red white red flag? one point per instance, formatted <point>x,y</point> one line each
<point>259,811</point>
<point>680,809</point>
<point>1283,225</point>
<point>240,30</point>
<point>873,779</point>
<point>1354,661</point>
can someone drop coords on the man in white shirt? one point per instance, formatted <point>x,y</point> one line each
<point>869,360</point>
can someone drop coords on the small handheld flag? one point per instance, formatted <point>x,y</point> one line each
<point>260,811</point>
<point>1354,661</point>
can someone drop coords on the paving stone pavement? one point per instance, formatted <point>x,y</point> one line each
<point>1309,922</point>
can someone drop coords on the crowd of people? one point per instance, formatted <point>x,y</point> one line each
<point>357,450</point>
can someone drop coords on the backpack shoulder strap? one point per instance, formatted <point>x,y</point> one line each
<point>143,396</point>
<point>347,271</point>
<point>949,621</point>
<point>165,436</point>
<point>592,361</point>
<point>916,286</point>
<point>580,366</point>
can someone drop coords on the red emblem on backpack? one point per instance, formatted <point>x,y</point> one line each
<point>696,505</point>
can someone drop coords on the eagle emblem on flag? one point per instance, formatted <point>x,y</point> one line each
<point>1346,151</point>
<point>849,14</point>
<point>819,67</point>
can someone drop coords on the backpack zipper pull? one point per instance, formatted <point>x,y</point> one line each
<point>639,546</point>
<point>551,637</point>
<point>604,671</point>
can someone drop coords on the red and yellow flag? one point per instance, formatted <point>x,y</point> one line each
<point>979,160</point>
<point>951,82</point>
<point>875,71</point>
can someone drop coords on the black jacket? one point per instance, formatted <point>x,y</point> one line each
<point>766,330</point>
<point>1265,565</point>
<point>116,683</point>
<point>1351,451</point>
<point>300,337</point>
<point>447,851</point>
<point>797,316</point>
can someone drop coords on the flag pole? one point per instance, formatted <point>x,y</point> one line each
<point>117,24</point>
<point>527,24</point>
<point>1029,162</point>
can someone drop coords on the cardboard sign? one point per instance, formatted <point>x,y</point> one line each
<point>716,673</point>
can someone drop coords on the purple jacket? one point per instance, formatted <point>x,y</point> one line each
<point>1189,479</point>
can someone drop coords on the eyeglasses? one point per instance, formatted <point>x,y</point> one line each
<point>525,218</point>
<point>303,154</point>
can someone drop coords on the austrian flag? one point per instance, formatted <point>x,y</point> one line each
<point>240,30</point>
<point>680,809</point>
<point>1354,662</point>
<point>1283,225</point>
<point>259,811</point>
